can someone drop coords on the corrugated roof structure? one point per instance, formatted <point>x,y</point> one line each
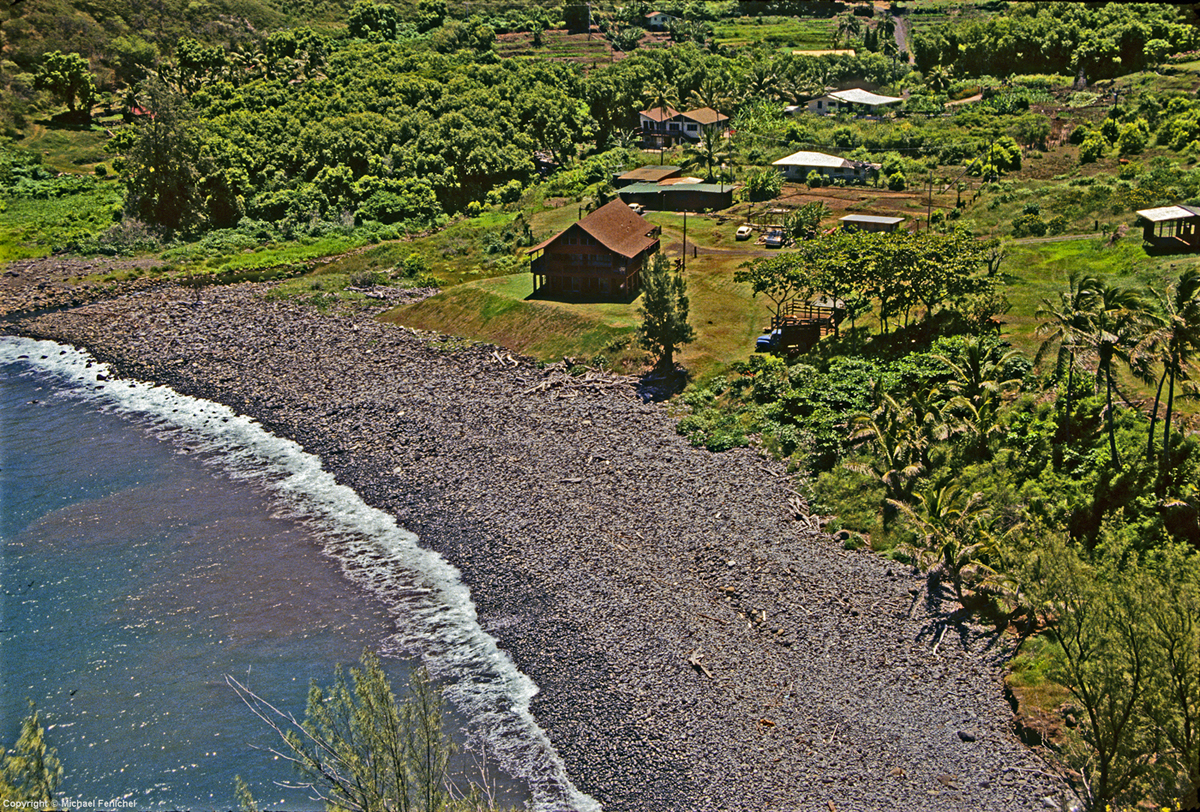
<point>669,188</point>
<point>615,226</point>
<point>650,174</point>
<point>871,218</point>
<point>1164,213</point>
<point>803,158</point>
<point>859,96</point>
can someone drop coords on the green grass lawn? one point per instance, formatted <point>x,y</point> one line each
<point>67,149</point>
<point>1037,271</point>
<point>723,314</point>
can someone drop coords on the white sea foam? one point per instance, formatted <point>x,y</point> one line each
<point>430,605</point>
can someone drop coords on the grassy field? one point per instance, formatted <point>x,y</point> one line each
<point>802,33</point>
<point>32,227</point>
<point>502,310</point>
<point>556,45</point>
<point>68,149</point>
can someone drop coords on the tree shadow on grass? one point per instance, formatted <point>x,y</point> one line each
<point>79,120</point>
<point>658,384</point>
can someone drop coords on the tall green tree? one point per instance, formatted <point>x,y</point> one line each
<point>162,172</point>
<point>1062,324</point>
<point>30,772</point>
<point>1117,320</point>
<point>664,312</point>
<point>783,278</point>
<point>1179,334</point>
<point>1098,617</point>
<point>360,749</point>
<point>1173,611</point>
<point>68,77</point>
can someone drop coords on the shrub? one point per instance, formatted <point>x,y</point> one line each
<point>1028,225</point>
<point>1093,148</point>
<point>1133,137</point>
<point>1110,130</point>
<point>845,138</point>
<point>714,429</point>
<point>1058,224</point>
<point>897,182</point>
<point>764,183</point>
<point>1079,134</point>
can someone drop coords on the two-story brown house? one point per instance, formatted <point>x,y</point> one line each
<point>601,256</point>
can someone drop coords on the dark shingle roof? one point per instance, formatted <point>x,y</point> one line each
<point>651,173</point>
<point>705,116</point>
<point>615,226</point>
<point>660,113</point>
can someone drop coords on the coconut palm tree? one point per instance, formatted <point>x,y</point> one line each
<point>849,25</point>
<point>939,78</point>
<point>1116,330</point>
<point>953,532</point>
<point>763,82</point>
<point>899,441</point>
<point>1178,339</point>
<point>711,150</point>
<point>979,385</point>
<point>1062,325</point>
<point>713,92</point>
<point>661,95</point>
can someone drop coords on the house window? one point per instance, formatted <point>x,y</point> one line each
<point>691,128</point>
<point>818,105</point>
<point>572,241</point>
<point>674,125</point>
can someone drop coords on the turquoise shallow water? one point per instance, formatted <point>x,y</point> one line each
<point>154,544</point>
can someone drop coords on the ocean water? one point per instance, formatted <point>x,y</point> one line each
<point>154,545</point>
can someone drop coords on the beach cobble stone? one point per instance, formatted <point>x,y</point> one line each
<point>697,645</point>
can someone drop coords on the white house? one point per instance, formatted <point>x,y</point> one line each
<point>665,126</point>
<point>705,118</point>
<point>661,126</point>
<point>796,167</point>
<point>657,21</point>
<point>850,101</point>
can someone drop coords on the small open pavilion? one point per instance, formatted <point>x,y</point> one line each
<point>870,222</point>
<point>1171,227</point>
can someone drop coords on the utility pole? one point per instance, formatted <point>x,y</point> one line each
<point>685,241</point>
<point>929,204</point>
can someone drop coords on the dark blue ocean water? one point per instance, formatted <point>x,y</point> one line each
<point>154,544</point>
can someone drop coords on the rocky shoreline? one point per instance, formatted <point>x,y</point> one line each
<point>697,644</point>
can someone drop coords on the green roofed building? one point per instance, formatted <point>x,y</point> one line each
<point>679,196</point>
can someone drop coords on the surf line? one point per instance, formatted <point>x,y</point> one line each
<point>428,602</point>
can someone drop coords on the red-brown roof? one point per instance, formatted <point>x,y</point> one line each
<point>660,113</point>
<point>615,226</point>
<point>651,173</point>
<point>705,116</point>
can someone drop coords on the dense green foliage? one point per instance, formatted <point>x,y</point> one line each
<point>1128,638</point>
<point>1072,38</point>
<point>30,771</point>
<point>361,748</point>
